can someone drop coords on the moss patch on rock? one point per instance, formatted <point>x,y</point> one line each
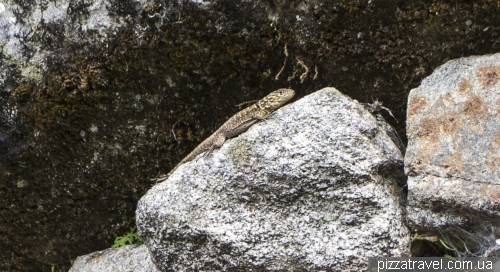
<point>112,113</point>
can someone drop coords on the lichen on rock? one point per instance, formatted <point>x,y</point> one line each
<point>453,158</point>
<point>313,190</point>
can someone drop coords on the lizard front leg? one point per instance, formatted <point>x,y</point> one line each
<point>247,122</point>
<point>259,115</point>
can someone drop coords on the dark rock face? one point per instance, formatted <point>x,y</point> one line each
<point>313,187</point>
<point>97,97</point>
<point>453,156</point>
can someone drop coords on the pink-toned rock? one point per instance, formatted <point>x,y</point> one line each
<point>453,154</point>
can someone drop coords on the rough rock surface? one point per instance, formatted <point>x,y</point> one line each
<point>453,154</point>
<point>98,96</point>
<point>132,258</point>
<point>314,186</point>
<point>32,30</point>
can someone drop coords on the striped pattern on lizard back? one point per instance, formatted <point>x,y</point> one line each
<point>240,122</point>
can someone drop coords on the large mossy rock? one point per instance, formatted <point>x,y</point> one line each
<point>99,96</point>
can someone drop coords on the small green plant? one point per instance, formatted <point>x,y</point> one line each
<point>127,239</point>
<point>452,249</point>
<point>53,267</point>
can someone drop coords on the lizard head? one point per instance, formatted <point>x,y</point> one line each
<point>276,99</point>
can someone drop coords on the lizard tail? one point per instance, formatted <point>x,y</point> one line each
<point>212,142</point>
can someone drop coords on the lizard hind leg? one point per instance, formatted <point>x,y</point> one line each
<point>205,154</point>
<point>217,142</point>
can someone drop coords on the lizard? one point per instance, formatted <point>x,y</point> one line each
<point>239,123</point>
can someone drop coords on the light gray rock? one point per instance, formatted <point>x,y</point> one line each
<point>132,258</point>
<point>24,20</point>
<point>312,187</point>
<point>453,154</point>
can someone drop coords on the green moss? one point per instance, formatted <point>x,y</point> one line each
<point>190,70</point>
<point>23,92</point>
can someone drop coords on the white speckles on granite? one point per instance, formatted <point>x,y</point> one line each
<point>300,190</point>
<point>132,258</point>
